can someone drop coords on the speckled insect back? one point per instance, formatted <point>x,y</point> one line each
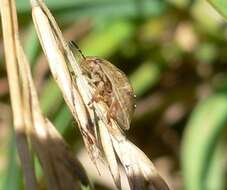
<point>113,87</point>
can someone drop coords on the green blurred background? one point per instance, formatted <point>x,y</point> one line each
<point>175,55</point>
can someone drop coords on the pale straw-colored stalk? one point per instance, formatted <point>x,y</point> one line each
<point>61,169</point>
<point>54,47</point>
<point>100,135</point>
<point>8,27</point>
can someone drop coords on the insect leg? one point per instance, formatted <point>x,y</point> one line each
<point>96,97</point>
<point>111,114</point>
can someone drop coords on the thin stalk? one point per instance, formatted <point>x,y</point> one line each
<point>9,26</point>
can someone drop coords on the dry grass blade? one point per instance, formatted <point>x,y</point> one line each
<point>8,26</point>
<point>100,133</point>
<point>61,169</point>
<point>54,47</point>
<point>139,169</point>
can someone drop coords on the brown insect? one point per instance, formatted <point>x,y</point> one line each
<point>112,87</point>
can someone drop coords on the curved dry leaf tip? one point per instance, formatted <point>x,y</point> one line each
<point>66,157</point>
<point>139,169</point>
<point>147,169</point>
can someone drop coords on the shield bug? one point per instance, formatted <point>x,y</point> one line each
<point>112,87</point>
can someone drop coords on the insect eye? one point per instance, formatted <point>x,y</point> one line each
<point>97,61</point>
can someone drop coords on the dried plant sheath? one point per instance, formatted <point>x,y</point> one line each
<point>53,49</point>
<point>61,169</point>
<point>9,27</point>
<point>100,132</point>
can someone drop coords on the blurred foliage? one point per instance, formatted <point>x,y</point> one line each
<point>200,141</point>
<point>221,6</point>
<point>174,53</point>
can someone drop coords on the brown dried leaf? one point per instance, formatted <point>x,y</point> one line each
<point>60,167</point>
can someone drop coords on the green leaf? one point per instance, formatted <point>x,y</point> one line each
<point>32,46</point>
<point>13,176</point>
<point>206,17</point>
<point>51,98</point>
<point>74,9</point>
<point>86,187</point>
<point>201,139</point>
<point>106,41</point>
<point>220,6</point>
<point>63,119</point>
<point>145,77</point>
<point>215,173</point>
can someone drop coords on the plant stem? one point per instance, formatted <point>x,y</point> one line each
<point>9,27</point>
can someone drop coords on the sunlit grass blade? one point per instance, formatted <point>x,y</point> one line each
<point>201,137</point>
<point>220,6</point>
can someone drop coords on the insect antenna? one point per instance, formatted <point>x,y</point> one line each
<point>75,46</point>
